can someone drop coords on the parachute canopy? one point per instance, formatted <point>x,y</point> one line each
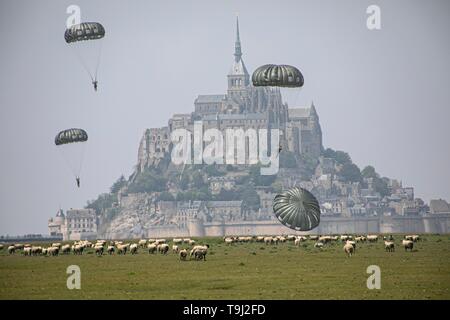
<point>297,209</point>
<point>277,76</point>
<point>84,31</point>
<point>71,136</point>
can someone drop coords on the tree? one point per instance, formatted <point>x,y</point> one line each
<point>103,202</point>
<point>249,197</point>
<point>340,157</point>
<point>350,172</point>
<point>119,184</point>
<point>166,196</point>
<point>369,172</point>
<point>148,182</point>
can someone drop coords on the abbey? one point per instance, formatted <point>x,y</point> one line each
<point>243,106</point>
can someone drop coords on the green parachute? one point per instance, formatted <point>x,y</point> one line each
<point>71,144</point>
<point>297,209</point>
<point>277,76</point>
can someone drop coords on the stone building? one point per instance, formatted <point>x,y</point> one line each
<point>76,224</point>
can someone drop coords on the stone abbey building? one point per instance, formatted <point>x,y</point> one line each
<point>242,107</point>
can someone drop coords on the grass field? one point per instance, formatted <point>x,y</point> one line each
<point>241,271</point>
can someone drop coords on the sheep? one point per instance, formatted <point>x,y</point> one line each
<point>134,248</point>
<point>65,249</point>
<point>44,251</point>
<point>142,243</point>
<point>53,251</point>
<point>27,251</point>
<point>204,249</point>
<point>18,246</point>
<point>228,241</point>
<point>408,244</point>
<point>151,248</point>
<point>372,238</point>
<point>183,254</point>
<point>77,249</point>
<point>175,248</point>
<point>275,240</point>
<point>36,250</point>
<point>353,243</point>
<point>122,248</point>
<point>325,239</point>
<point>110,250</point>
<point>389,246</point>
<point>177,241</point>
<point>200,255</point>
<point>191,242</point>
<point>297,241</point>
<point>186,240</point>
<point>163,248</point>
<point>57,244</point>
<point>344,238</point>
<point>314,238</point>
<point>415,238</point>
<point>11,249</point>
<point>318,245</point>
<point>1,247</point>
<point>268,240</point>
<point>160,241</point>
<point>349,249</point>
<point>98,250</point>
<point>260,239</point>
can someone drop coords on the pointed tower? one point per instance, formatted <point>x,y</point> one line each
<point>238,77</point>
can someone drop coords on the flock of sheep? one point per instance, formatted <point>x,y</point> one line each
<point>100,247</point>
<point>187,247</point>
<point>348,240</point>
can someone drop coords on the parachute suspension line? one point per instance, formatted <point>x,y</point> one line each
<point>80,165</point>
<point>83,63</point>
<point>98,59</point>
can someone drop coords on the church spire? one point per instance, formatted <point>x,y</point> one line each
<point>237,44</point>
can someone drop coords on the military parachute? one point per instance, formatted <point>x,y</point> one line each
<point>288,79</point>
<point>71,144</point>
<point>297,209</point>
<point>85,39</point>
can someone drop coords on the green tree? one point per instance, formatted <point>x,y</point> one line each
<point>121,182</point>
<point>249,197</point>
<point>148,182</point>
<point>104,201</point>
<point>369,172</point>
<point>350,172</point>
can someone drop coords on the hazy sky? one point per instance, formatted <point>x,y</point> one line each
<point>383,96</point>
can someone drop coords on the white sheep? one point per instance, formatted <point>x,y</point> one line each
<point>268,240</point>
<point>372,238</point>
<point>349,249</point>
<point>389,246</point>
<point>228,241</point>
<point>27,251</point>
<point>202,249</point>
<point>318,245</point>
<point>98,250</point>
<point>110,250</point>
<point>65,249</point>
<point>151,248</point>
<point>133,248</point>
<point>177,241</point>
<point>11,249</point>
<point>163,248</point>
<point>183,254</point>
<point>142,243</point>
<point>408,244</point>
<point>175,248</point>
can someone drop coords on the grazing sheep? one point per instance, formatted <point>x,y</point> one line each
<point>160,241</point>
<point>163,248</point>
<point>134,248</point>
<point>151,248</point>
<point>408,244</point>
<point>177,241</point>
<point>122,248</point>
<point>228,241</point>
<point>389,246</point>
<point>372,238</point>
<point>36,250</point>
<point>268,240</point>
<point>183,254</point>
<point>314,238</point>
<point>349,249</point>
<point>44,251</point>
<point>27,251</point>
<point>204,249</point>
<point>98,250</point>
<point>200,255</point>
<point>18,246</point>
<point>57,244</point>
<point>65,249</point>
<point>110,250</point>
<point>353,243</point>
<point>12,249</point>
<point>325,239</point>
<point>186,240</point>
<point>318,245</point>
<point>53,251</point>
<point>415,238</point>
<point>142,243</point>
<point>1,247</point>
<point>191,242</point>
<point>260,239</point>
<point>175,248</point>
<point>77,249</point>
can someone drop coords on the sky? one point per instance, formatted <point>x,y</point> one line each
<point>381,95</point>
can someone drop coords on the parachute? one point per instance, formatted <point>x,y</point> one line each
<point>85,39</point>
<point>297,209</point>
<point>288,79</point>
<point>71,143</point>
